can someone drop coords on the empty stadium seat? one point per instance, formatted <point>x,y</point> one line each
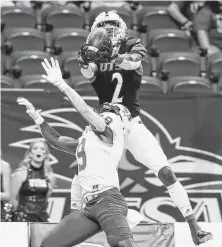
<point>151,85</point>
<point>125,14</point>
<point>18,17</point>
<point>154,3</point>
<point>215,66</point>
<point>69,63</point>
<point>68,39</point>
<point>167,40</point>
<point>21,39</point>
<point>147,67</point>
<point>36,82</point>
<point>155,17</point>
<point>2,64</point>
<point>27,63</point>
<point>6,82</point>
<point>180,64</point>
<point>70,67</point>
<point>63,17</point>
<point>189,84</point>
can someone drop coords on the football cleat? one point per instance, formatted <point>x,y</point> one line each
<point>199,237</point>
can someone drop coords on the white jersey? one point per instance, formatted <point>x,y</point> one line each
<point>98,161</point>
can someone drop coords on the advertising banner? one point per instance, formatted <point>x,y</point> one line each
<point>153,235</point>
<point>188,129</point>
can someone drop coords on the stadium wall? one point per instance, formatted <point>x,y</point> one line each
<point>187,127</point>
<point>152,235</point>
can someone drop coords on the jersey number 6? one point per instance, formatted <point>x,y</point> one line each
<point>81,155</point>
<point>119,85</point>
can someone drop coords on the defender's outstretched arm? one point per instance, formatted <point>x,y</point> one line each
<point>54,76</point>
<point>63,143</point>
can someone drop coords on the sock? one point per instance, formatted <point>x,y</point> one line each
<point>180,198</point>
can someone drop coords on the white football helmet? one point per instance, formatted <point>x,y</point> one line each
<point>116,108</point>
<point>114,25</point>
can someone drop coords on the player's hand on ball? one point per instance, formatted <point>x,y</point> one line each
<point>53,71</point>
<point>30,109</point>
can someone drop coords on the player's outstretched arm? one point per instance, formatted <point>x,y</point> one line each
<point>54,76</point>
<point>63,143</point>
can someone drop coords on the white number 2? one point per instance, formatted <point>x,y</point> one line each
<point>118,87</point>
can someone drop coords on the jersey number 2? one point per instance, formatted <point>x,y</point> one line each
<point>81,155</point>
<point>119,85</point>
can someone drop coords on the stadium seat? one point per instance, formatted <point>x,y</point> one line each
<point>151,85</point>
<point>36,82</point>
<point>147,67</point>
<point>63,17</point>
<point>167,40</point>
<point>84,88</point>
<point>180,64</point>
<point>215,66</point>
<point>2,64</point>
<point>155,3</point>
<point>68,39</point>
<point>18,17</point>
<point>27,63</point>
<point>21,39</point>
<point>70,67</point>
<point>69,63</point>
<point>189,84</point>
<point>6,82</point>
<point>125,14</point>
<point>155,17</point>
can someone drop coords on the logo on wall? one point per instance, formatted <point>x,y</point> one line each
<point>199,171</point>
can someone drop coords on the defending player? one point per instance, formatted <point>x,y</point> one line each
<point>103,204</point>
<point>118,80</point>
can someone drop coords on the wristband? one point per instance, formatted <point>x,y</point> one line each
<point>39,120</point>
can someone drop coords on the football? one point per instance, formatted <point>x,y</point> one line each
<point>98,46</point>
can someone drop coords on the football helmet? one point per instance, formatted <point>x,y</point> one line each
<point>116,108</point>
<point>114,25</point>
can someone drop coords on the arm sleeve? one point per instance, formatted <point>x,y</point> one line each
<point>132,59</point>
<point>203,19</point>
<point>66,144</point>
<point>138,48</point>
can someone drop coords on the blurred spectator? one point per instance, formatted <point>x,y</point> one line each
<point>183,12</point>
<point>208,23</point>
<point>32,184</point>
<point>5,187</point>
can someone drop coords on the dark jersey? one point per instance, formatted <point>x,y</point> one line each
<point>32,194</point>
<point>113,84</point>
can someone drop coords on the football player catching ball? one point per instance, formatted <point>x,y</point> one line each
<point>115,71</point>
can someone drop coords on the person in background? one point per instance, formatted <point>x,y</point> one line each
<point>183,12</point>
<point>32,184</point>
<point>5,194</point>
<point>208,23</point>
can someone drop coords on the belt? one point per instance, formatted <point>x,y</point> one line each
<point>89,196</point>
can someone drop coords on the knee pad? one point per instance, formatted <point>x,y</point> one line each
<point>167,176</point>
<point>129,242</point>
